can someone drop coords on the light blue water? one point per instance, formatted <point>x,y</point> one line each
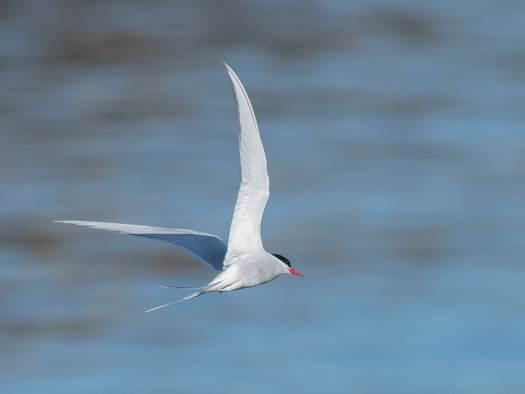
<point>394,136</point>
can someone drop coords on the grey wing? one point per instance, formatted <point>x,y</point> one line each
<point>208,248</point>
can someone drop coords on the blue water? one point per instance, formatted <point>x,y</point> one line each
<point>394,136</point>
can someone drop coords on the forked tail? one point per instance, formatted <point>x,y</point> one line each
<point>189,297</point>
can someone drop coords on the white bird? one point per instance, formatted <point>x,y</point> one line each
<point>243,262</point>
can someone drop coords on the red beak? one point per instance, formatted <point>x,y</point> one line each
<point>293,271</point>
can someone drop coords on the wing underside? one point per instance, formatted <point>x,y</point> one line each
<point>208,248</point>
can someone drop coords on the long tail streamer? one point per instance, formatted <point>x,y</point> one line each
<point>189,297</point>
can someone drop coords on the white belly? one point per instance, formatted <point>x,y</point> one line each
<point>244,274</point>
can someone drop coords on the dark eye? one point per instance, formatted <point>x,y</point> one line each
<point>283,259</point>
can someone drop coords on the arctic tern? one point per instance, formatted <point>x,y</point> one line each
<point>243,262</point>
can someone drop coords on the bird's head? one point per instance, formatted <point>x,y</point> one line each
<point>288,265</point>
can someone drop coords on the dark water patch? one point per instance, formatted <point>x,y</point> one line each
<point>413,27</point>
<point>29,236</point>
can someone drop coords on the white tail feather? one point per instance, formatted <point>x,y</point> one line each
<point>189,297</point>
<point>181,287</point>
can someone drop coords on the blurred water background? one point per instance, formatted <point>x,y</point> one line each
<point>394,134</point>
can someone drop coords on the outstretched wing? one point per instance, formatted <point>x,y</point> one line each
<point>245,230</point>
<point>208,248</point>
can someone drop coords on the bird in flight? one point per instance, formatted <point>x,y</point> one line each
<point>243,262</point>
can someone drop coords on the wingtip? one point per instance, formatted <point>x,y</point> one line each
<point>229,70</point>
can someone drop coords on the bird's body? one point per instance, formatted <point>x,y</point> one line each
<point>243,262</point>
<point>253,269</point>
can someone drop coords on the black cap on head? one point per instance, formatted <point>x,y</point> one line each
<point>283,259</point>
